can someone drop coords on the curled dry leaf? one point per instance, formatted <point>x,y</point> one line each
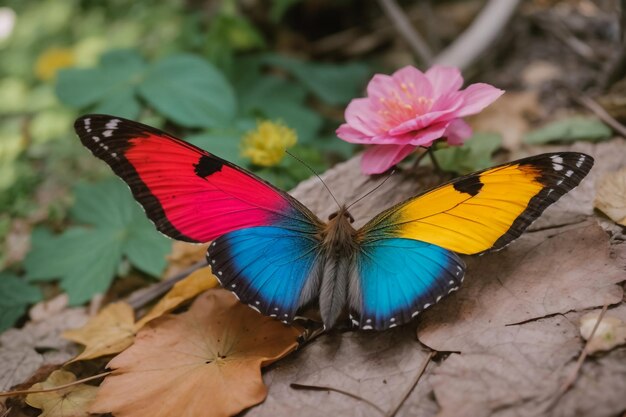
<point>183,255</point>
<point>611,332</point>
<point>197,282</point>
<point>205,361</point>
<point>109,332</point>
<point>23,351</point>
<point>611,196</point>
<point>543,273</point>
<point>72,401</point>
<point>114,328</point>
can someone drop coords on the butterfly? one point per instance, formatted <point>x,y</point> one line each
<point>277,256</point>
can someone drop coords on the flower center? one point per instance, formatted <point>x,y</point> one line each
<point>402,104</point>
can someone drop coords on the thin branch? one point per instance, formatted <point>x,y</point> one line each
<point>413,385</point>
<point>57,388</point>
<point>337,390</point>
<point>599,111</point>
<point>569,382</point>
<point>404,27</point>
<point>143,296</point>
<point>486,29</point>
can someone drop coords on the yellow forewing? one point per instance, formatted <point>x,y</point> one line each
<point>484,210</point>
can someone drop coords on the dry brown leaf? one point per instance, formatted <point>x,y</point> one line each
<point>72,401</point>
<point>44,309</point>
<point>519,371</point>
<point>196,283</point>
<point>611,332</point>
<point>611,196</point>
<point>205,362</point>
<point>111,331</point>
<point>378,367</point>
<point>510,118</point>
<point>543,273</point>
<point>184,255</point>
<point>20,349</point>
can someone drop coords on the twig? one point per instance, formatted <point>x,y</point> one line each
<point>486,28</point>
<point>404,27</point>
<point>60,387</point>
<point>413,385</point>
<point>599,111</point>
<point>337,390</point>
<point>569,382</point>
<point>142,297</point>
<point>560,31</point>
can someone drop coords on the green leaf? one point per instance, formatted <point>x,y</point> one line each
<point>278,99</point>
<point>16,296</point>
<point>570,130</point>
<point>280,7</point>
<point>86,259</point>
<point>333,84</point>
<point>189,91</point>
<point>473,155</point>
<point>225,144</point>
<point>111,85</point>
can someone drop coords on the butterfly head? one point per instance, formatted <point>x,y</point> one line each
<point>342,212</point>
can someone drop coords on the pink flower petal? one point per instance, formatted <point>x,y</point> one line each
<point>379,158</point>
<point>420,122</point>
<point>351,135</point>
<point>360,116</point>
<point>427,136</point>
<point>413,81</point>
<point>380,85</point>
<point>476,97</point>
<point>444,79</point>
<point>457,132</point>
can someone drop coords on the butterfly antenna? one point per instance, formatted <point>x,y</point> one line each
<point>314,173</point>
<point>372,190</point>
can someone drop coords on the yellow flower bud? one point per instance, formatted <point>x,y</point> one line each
<point>266,145</point>
<point>51,61</point>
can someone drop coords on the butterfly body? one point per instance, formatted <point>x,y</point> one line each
<point>276,255</point>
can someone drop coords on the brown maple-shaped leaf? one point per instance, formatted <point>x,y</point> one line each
<point>72,401</point>
<point>109,332</point>
<point>204,362</point>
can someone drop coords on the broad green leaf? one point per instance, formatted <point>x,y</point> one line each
<point>112,82</point>
<point>224,144</point>
<point>473,155</point>
<point>278,99</point>
<point>86,259</point>
<point>190,91</point>
<point>333,84</point>
<point>17,294</point>
<point>570,130</point>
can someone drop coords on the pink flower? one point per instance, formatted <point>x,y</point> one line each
<point>410,109</point>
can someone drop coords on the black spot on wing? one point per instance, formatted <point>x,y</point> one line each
<point>470,185</point>
<point>207,166</point>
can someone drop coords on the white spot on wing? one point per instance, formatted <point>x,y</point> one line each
<point>569,173</point>
<point>426,305</point>
<point>367,327</point>
<point>580,161</point>
<point>557,159</point>
<point>557,167</point>
<point>112,124</point>
<point>107,133</point>
<point>415,313</point>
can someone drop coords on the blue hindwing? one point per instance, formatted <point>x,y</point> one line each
<point>398,278</point>
<point>272,269</point>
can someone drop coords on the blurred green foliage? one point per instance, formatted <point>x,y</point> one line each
<point>109,227</point>
<point>207,74</point>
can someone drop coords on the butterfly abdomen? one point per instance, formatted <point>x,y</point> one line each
<point>339,247</point>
